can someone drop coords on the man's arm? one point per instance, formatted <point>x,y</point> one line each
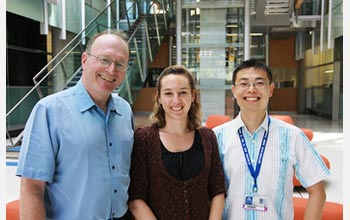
<point>141,210</point>
<point>32,205</point>
<point>316,201</point>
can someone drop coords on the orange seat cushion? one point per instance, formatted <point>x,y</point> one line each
<point>285,118</point>
<point>216,120</point>
<point>331,210</point>
<point>308,132</point>
<point>12,210</point>
<point>326,161</point>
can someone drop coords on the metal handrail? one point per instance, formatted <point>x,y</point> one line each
<point>58,59</point>
<point>53,60</point>
<point>139,60</point>
<point>73,40</point>
<point>157,29</point>
<point>70,44</point>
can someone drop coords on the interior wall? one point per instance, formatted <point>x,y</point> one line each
<point>284,68</point>
<point>282,53</point>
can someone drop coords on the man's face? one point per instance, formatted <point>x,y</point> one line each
<point>104,66</point>
<point>252,90</point>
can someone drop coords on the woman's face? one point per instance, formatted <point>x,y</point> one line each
<point>176,96</point>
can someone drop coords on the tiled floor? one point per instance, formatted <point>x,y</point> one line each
<point>328,140</point>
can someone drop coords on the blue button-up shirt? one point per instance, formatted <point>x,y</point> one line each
<point>81,152</point>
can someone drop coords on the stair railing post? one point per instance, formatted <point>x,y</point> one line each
<point>139,60</point>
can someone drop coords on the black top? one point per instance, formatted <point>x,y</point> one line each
<point>187,164</point>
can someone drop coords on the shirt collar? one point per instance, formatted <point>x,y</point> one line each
<point>264,124</point>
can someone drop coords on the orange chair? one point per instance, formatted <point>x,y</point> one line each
<point>308,132</point>
<point>12,210</point>
<point>331,210</point>
<point>215,120</point>
<point>285,118</point>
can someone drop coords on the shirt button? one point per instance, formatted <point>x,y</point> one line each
<point>186,201</point>
<point>115,191</point>
<point>110,144</point>
<point>185,191</point>
<point>187,211</point>
<point>113,167</point>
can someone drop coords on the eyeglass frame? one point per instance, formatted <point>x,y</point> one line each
<point>257,85</point>
<point>106,62</point>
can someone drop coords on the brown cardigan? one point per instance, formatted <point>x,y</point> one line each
<point>169,198</point>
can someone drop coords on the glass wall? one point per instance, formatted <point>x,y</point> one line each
<point>212,46</point>
<point>323,82</point>
<point>323,69</point>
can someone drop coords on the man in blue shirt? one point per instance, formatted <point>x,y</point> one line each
<point>75,154</point>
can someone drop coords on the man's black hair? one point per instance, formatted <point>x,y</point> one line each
<point>255,64</point>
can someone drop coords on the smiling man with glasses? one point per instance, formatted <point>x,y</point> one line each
<point>100,77</point>
<point>75,155</point>
<point>261,154</point>
<point>252,86</point>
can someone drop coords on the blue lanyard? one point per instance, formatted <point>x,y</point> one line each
<point>254,173</point>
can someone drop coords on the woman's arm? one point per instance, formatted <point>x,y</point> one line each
<point>141,210</point>
<point>217,207</point>
<point>216,184</point>
<point>139,184</point>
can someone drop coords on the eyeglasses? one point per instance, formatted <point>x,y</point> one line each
<point>107,62</point>
<point>246,85</point>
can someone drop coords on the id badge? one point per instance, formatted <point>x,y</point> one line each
<point>255,202</point>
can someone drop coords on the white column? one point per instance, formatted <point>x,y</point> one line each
<point>109,14</point>
<point>63,33</point>
<point>118,14</point>
<point>178,31</point>
<point>246,29</point>
<point>330,27</point>
<point>44,26</point>
<point>82,17</point>
<point>322,25</point>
